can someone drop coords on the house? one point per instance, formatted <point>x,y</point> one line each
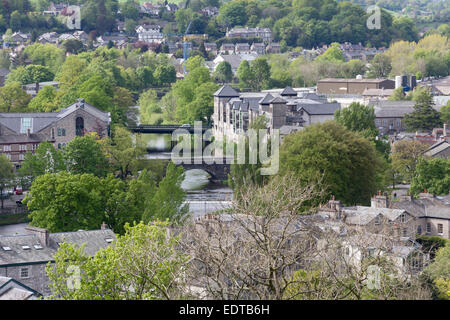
<point>152,9</point>
<point>432,213</point>
<point>233,59</point>
<point>33,88</point>
<point>240,48</point>
<point>273,48</point>
<point>25,257</point>
<point>352,86</point>
<point>18,38</point>
<point>23,132</point>
<point>171,7</point>
<point>210,11</point>
<point>150,33</point>
<point>377,94</point>
<point>440,149</point>
<point>258,48</point>
<point>66,36</point>
<point>11,289</point>
<point>227,48</point>
<point>264,33</point>
<point>210,47</point>
<point>284,109</point>
<point>81,35</point>
<point>48,37</point>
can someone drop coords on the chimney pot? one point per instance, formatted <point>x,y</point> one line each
<point>42,233</point>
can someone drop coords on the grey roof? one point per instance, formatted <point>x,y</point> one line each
<point>363,215</point>
<point>226,92</point>
<point>288,91</point>
<point>437,148</point>
<point>424,207</point>
<point>277,100</point>
<point>392,112</point>
<point>11,289</point>
<point>42,120</point>
<point>93,240</point>
<point>23,138</point>
<point>321,109</point>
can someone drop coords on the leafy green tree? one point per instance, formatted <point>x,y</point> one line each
<point>64,202</point>
<point>333,53</point>
<point>439,272</point>
<point>30,74</point>
<point>84,155</point>
<point>123,154</point>
<point>445,113</point>
<point>424,117</point>
<point>343,162</point>
<point>13,98</point>
<point>232,14</point>
<point>165,74</point>
<point>168,201</point>
<point>45,100</point>
<point>432,175</point>
<point>143,264</point>
<point>405,156</point>
<point>73,46</point>
<point>46,159</point>
<point>357,117</point>
<point>245,75</point>
<point>380,66</point>
<point>223,72</point>
<point>6,175</point>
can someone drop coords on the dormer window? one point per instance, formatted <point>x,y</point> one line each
<point>26,124</point>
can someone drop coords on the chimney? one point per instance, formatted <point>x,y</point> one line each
<point>379,201</point>
<point>43,234</point>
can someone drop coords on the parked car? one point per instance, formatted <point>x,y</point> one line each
<point>19,191</point>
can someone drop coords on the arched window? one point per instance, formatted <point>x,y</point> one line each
<point>79,126</point>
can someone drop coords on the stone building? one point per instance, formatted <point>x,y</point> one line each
<point>23,132</point>
<point>285,109</point>
<point>332,86</point>
<point>25,257</point>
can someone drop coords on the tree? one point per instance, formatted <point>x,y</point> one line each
<point>64,202</point>
<point>333,53</point>
<point>168,201</point>
<point>165,74</point>
<point>13,98</point>
<point>405,156</point>
<point>123,154</point>
<point>424,117</point>
<point>245,75</point>
<point>445,113</point>
<point>439,272</point>
<point>45,159</point>
<point>223,72</point>
<point>432,175</point>
<point>232,14</point>
<point>84,155</point>
<point>344,162</point>
<point>143,264</point>
<point>6,175</point>
<point>73,46</point>
<point>380,66</point>
<point>45,100</point>
<point>30,74</point>
<point>357,117</point>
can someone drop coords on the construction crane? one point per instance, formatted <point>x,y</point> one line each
<point>186,47</point>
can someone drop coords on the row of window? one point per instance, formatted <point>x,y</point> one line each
<point>22,147</point>
<point>384,122</point>
<point>440,228</point>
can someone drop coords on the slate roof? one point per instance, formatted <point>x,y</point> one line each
<point>424,207</point>
<point>288,91</point>
<point>363,215</point>
<point>226,92</point>
<point>93,240</point>
<point>437,148</point>
<point>42,120</point>
<point>277,100</point>
<point>321,109</point>
<point>266,100</point>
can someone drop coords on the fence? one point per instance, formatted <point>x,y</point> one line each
<point>13,210</point>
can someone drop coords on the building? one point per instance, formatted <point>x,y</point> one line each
<point>150,33</point>
<point>440,149</point>
<point>258,48</point>
<point>25,257</point>
<point>49,37</point>
<point>285,109</point>
<point>273,48</point>
<point>227,48</point>
<point>241,48</point>
<point>264,33</point>
<point>210,11</point>
<point>376,94</point>
<point>23,132</point>
<point>432,213</point>
<point>11,289</point>
<point>233,59</point>
<point>332,86</point>
<point>211,47</point>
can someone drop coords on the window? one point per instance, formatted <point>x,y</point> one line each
<point>440,228</point>
<point>59,132</point>
<point>79,126</point>
<point>384,123</point>
<point>419,229</point>
<point>378,122</point>
<point>403,218</point>
<point>21,157</point>
<point>26,124</point>
<point>63,132</point>
<point>428,227</point>
<point>399,123</point>
<point>34,147</point>
<point>405,232</point>
<point>59,145</point>
<point>24,273</point>
<point>8,156</point>
<point>23,147</point>
<point>377,220</point>
<point>7,148</point>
